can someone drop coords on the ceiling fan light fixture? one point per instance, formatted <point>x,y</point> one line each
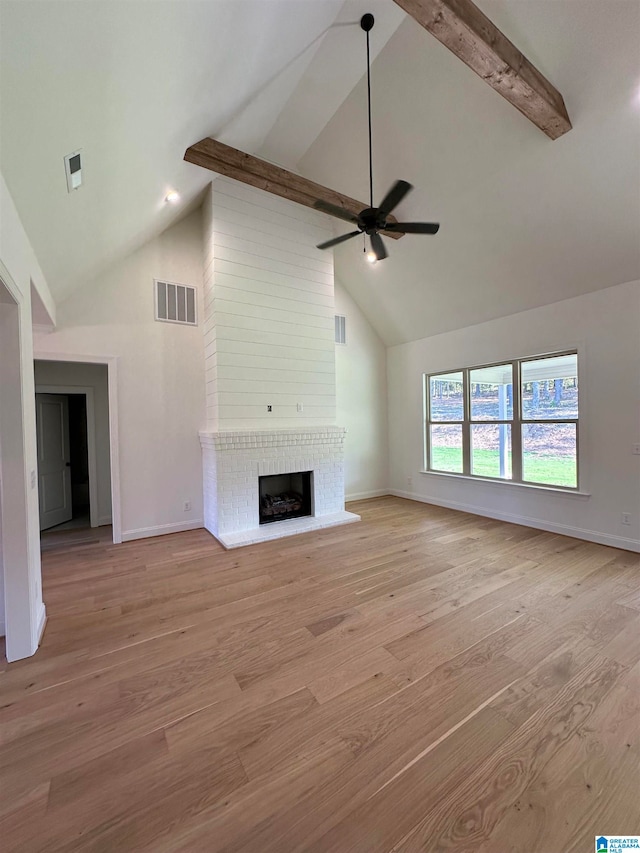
<point>374,220</point>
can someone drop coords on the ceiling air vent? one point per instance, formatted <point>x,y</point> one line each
<point>175,303</point>
<point>341,329</point>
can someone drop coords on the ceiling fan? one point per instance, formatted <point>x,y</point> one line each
<point>372,219</point>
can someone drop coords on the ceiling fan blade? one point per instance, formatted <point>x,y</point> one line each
<point>377,244</point>
<point>334,242</point>
<point>414,227</point>
<point>395,195</point>
<point>334,210</point>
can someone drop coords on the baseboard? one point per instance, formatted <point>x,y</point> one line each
<point>161,530</point>
<point>42,621</point>
<point>103,520</point>
<point>361,496</point>
<point>621,542</point>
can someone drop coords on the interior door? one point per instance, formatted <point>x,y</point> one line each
<point>54,465</point>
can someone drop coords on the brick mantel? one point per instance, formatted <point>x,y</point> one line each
<point>246,439</point>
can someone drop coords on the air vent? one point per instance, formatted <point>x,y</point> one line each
<point>175,303</point>
<point>341,329</point>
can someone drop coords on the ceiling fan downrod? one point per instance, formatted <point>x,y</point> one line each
<point>373,220</point>
<point>366,22</point>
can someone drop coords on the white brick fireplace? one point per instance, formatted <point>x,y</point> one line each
<point>270,363</point>
<point>233,462</point>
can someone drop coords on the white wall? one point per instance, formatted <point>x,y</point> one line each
<point>269,304</point>
<point>20,271</point>
<point>94,376</point>
<point>361,401</point>
<point>605,326</point>
<point>160,396</point>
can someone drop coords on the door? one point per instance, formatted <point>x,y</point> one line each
<point>54,462</point>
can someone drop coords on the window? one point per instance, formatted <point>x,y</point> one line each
<point>514,421</point>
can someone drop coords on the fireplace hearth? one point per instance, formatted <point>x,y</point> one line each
<point>285,496</point>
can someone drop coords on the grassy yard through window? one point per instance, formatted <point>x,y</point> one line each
<point>551,470</point>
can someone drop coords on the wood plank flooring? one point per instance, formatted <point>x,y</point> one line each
<point>425,680</point>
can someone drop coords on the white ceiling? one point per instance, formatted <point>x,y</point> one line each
<point>338,64</point>
<point>525,221</point>
<point>133,84</point>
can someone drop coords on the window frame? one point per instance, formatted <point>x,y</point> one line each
<point>516,422</point>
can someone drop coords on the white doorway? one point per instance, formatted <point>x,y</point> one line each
<point>54,460</point>
<point>78,419</point>
<point>77,398</point>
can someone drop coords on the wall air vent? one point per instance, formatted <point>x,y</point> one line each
<point>175,303</point>
<point>73,170</point>
<point>341,329</point>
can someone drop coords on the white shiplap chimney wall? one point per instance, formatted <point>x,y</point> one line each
<point>269,341</point>
<point>268,312</point>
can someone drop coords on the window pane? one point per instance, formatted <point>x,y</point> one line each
<point>446,397</point>
<point>491,393</point>
<point>446,448</point>
<point>550,388</point>
<point>491,450</point>
<point>549,454</point>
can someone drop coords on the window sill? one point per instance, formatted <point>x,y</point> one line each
<point>571,493</point>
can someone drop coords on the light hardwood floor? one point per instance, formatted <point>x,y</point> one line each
<point>422,681</point>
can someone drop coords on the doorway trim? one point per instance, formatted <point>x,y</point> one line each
<point>92,457</point>
<point>25,612</point>
<point>112,378</point>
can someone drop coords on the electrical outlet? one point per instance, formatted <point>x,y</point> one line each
<point>626,518</point>
<point>636,450</point>
<point>300,407</point>
<point>187,506</point>
<point>269,408</point>
<point>409,481</point>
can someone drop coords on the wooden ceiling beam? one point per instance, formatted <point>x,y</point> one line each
<point>474,39</point>
<point>228,161</point>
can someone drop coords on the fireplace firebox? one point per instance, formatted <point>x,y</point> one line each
<point>283,496</point>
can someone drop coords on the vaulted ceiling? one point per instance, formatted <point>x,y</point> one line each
<point>525,221</point>
<point>133,84</point>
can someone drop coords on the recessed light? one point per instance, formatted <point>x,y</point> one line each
<point>172,197</point>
